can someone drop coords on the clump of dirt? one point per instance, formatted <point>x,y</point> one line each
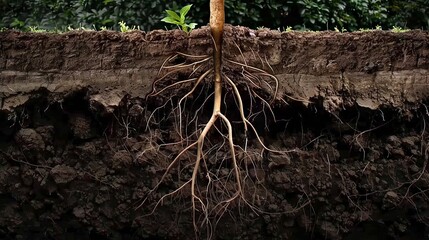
<point>77,157</point>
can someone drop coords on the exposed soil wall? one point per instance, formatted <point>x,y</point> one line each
<point>76,156</point>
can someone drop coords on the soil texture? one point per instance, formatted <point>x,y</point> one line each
<point>81,144</point>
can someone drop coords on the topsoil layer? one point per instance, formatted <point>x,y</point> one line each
<point>76,156</point>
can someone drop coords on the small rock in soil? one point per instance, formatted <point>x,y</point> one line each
<point>121,158</point>
<point>29,139</point>
<point>47,133</point>
<point>393,140</point>
<point>398,153</point>
<point>63,174</point>
<point>81,126</point>
<point>414,168</point>
<point>409,142</point>
<point>79,212</point>
<point>136,110</point>
<point>278,159</point>
<point>390,200</point>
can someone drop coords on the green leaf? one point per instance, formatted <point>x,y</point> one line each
<point>191,25</point>
<point>173,15</point>
<point>184,11</point>
<point>170,20</point>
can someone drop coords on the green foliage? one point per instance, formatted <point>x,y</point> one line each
<point>180,19</point>
<point>59,14</point>
<point>288,29</point>
<point>377,28</point>
<point>340,30</point>
<point>349,15</point>
<point>256,13</point>
<point>35,29</point>
<point>123,27</point>
<point>396,29</point>
<point>409,14</point>
<point>324,14</point>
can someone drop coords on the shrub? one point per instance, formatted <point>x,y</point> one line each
<point>147,15</point>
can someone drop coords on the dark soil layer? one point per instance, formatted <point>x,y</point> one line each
<point>76,158</point>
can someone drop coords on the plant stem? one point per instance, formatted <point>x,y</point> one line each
<point>217,21</point>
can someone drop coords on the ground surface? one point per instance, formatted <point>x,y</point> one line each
<point>76,156</point>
